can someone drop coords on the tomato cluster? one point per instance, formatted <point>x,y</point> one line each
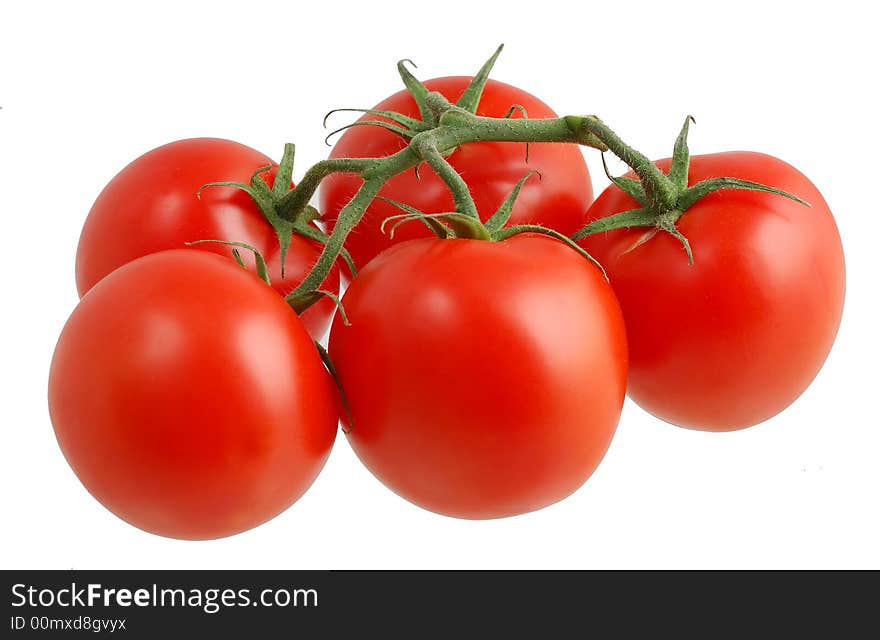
<point>479,374</point>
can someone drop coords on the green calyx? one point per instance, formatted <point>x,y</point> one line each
<point>268,200</point>
<point>663,198</point>
<point>456,224</point>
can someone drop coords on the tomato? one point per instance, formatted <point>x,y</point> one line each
<point>188,398</point>
<point>491,170</point>
<point>485,379</point>
<point>738,336</point>
<point>152,204</point>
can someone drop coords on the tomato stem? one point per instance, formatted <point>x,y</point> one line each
<point>658,187</point>
<point>456,126</point>
<point>461,195</point>
<point>298,198</point>
<point>445,126</point>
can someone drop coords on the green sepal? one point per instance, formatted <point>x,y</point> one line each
<point>509,232</point>
<point>460,225</point>
<point>500,217</point>
<point>260,262</point>
<point>630,186</point>
<point>470,99</point>
<point>672,230</point>
<point>299,302</point>
<point>681,157</point>
<point>406,134</point>
<point>625,219</point>
<point>690,197</point>
<point>430,220</point>
<point>465,226</point>
<point>235,185</point>
<point>418,91</point>
<point>398,118</point>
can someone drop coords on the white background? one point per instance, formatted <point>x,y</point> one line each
<point>85,87</point>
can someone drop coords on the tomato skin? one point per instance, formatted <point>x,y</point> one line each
<point>491,170</point>
<point>480,385</point>
<point>188,398</point>
<point>734,339</point>
<point>152,205</point>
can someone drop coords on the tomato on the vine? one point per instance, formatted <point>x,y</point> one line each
<point>188,397</point>
<point>154,203</point>
<point>736,337</point>
<point>558,200</point>
<point>484,379</point>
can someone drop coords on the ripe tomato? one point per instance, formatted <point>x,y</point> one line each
<point>485,379</point>
<point>491,169</point>
<point>188,398</point>
<point>738,336</point>
<point>152,205</point>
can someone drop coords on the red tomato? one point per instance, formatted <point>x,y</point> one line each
<point>491,169</point>
<point>152,205</point>
<point>188,398</point>
<point>738,336</point>
<point>485,379</point>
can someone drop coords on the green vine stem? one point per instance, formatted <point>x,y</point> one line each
<point>445,126</point>
<point>456,127</point>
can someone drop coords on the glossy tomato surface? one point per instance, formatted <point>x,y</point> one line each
<point>188,397</point>
<point>154,204</point>
<point>485,379</point>
<point>738,336</point>
<point>491,170</point>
